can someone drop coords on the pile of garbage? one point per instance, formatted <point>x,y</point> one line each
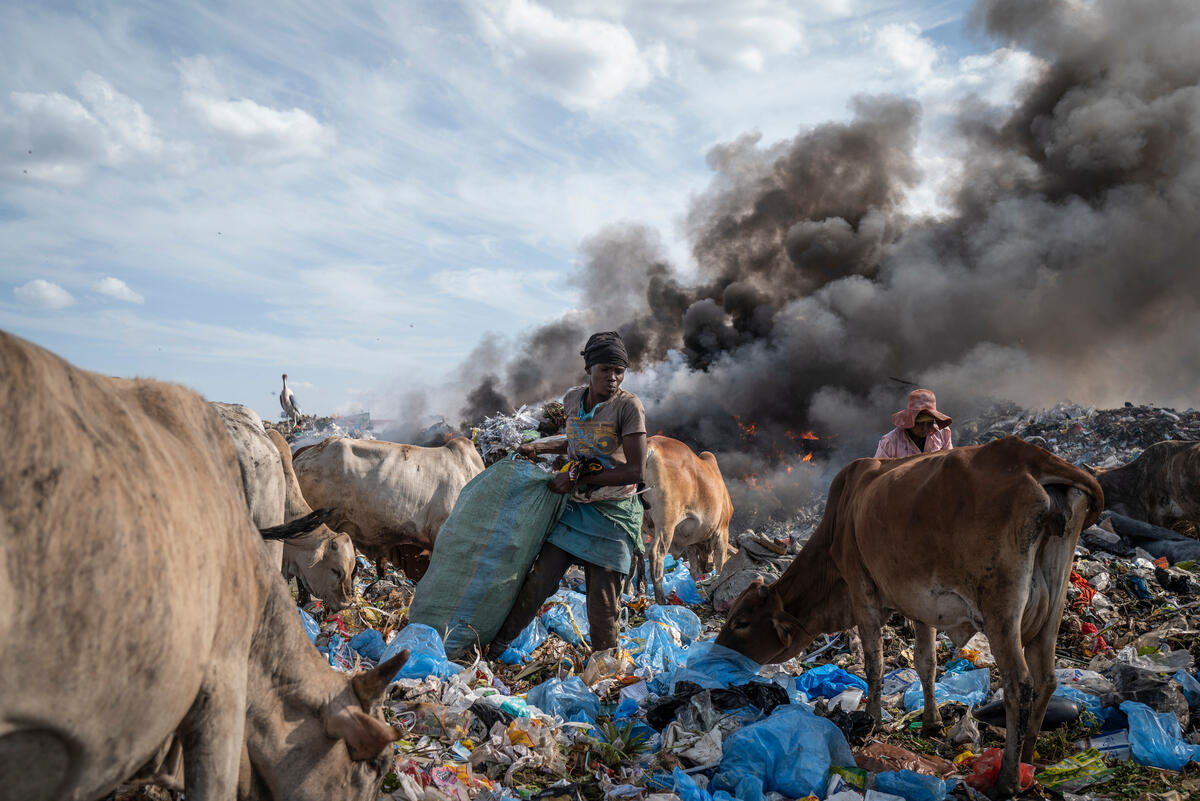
<point>310,429</point>
<point>1083,435</point>
<point>500,434</point>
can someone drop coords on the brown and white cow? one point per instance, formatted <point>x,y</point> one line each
<point>1160,487</point>
<point>689,508</point>
<point>972,539</point>
<point>388,497</point>
<point>141,608</point>
<point>321,559</point>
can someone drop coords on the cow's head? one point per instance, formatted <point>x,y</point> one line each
<point>342,752</point>
<point>759,627</point>
<point>328,573</point>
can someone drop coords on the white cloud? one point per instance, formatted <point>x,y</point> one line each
<point>118,289</point>
<point>254,131</point>
<point>583,63</point>
<point>43,294</point>
<point>903,44</point>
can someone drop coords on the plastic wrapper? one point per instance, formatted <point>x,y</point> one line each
<point>682,618</point>
<point>790,753</point>
<point>1076,772</point>
<point>910,785</point>
<point>529,640</point>
<point>882,757</point>
<point>1155,738</point>
<point>898,681</point>
<point>688,790</point>
<point>569,699</point>
<point>566,616</point>
<point>969,688</point>
<point>1190,687</point>
<point>436,720</point>
<point>339,654</point>
<point>310,625</point>
<point>827,681</point>
<point>986,770</point>
<point>427,655</point>
<point>1114,745</point>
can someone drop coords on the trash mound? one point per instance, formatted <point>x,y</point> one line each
<point>310,429</point>
<point>500,434</point>
<point>1083,435</point>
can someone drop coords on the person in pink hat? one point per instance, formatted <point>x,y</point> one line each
<point>919,428</point>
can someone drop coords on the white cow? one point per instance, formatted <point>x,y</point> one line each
<point>388,497</point>
<point>141,608</point>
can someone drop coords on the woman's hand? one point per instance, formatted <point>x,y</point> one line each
<point>561,483</point>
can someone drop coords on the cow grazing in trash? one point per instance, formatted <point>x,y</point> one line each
<point>689,509</point>
<point>973,539</point>
<point>321,559</point>
<point>172,630</point>
<point>1160,487</point>
<point>390,498</point>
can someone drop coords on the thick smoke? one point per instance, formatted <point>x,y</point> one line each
<point>1067,268</point>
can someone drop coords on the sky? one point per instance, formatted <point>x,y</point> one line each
<point>358,194</point>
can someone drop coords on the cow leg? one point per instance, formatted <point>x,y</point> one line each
<point>870,631</point>
<point>212,735</point>
<point>663,520</point>
<point>1019,694</point>
<point>926,642</point>
<point>1039,656</point>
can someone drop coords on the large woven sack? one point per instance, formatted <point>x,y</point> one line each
<point>483,551</point>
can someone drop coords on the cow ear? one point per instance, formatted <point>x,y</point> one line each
<point>370,686</point>
<point>365,736</point>
<point>787,627</point>
<point>318,553</point>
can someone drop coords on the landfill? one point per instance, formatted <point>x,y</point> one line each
<point>671,715</point>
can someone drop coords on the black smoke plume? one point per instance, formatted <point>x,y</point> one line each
<point>1067,268</point>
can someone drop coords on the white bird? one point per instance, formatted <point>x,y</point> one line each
<point>287,399</point>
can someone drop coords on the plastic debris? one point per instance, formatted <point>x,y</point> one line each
<point>826,681</point>
<point>1076,772</point>
<point>986,770</point>
<point>570,699</point>
<point>969,688</point>
<point>427,656</point>
<point>1155,738</point>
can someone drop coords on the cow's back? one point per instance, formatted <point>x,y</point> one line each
<point>130,562</point>
<point>263,478</point>
<point>1161,486</point>
<point>386,493</point>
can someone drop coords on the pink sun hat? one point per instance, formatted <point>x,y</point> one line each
<point>920,400</point>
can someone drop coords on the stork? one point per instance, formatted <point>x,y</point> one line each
<point>287,399</point>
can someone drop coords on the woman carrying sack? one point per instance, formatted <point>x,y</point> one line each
<point>601,527</point>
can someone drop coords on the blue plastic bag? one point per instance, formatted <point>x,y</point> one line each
<point>826,681</point>
<point>790,753</point>
<point>970,689</point>
<point>911,785</point>
<point>426,654</point>
<point>1085,700</point>
<point>680,582</point>
<point>570,699</point>
<point>567,617</point>
<point>650,646</point>
<point>1191,687</point>
<point>369,643</point>
<point>680,617</point>
<point>310,625</point>
<point>521,649</point>
<point>710,665</point>
<point>1155,738</point>
<point>686,788</point>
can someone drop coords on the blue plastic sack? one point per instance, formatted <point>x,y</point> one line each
<point>1191,687</point>
<point>650,646</point>
<point>911,785</point>
<point>680,582</point>
<point>789,753</point>
<point>521,649</point>
<point>970,688</point>
<point>426,654</point>
<point>559,621</point>
<point>686,788</point>
<point>710,665</point>
<point>310,625</point>
<point>826,681</point>
<point>1155,738</point>
<point>369,643</point>
<point>680,617</point>
<point>570,699</point>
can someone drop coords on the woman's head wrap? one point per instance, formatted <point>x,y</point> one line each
<point>605,347</point>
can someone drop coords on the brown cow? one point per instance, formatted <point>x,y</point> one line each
<point>972,539</point>
<point>1161,487</point>
<point>689,507</point>
<point>126,541</point>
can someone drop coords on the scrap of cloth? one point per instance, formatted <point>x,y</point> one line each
<point>606,347</point>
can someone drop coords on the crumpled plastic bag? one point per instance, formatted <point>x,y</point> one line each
<point>1158,691</point>
<point>567,617</point>
<point>1191,687</point>
<point>521,649</point>
<point>369,643</point>
<point>911,786</point>
<point>614,662</point>
<point>827,681</point>
<point>788,753</point>
<point>682,618</point>
<point>652,646</point>
<point>712,665</point>
<point>1155,738</point>
<point>427,653</point>
<point>986,770</point>
<point>688,790</point>
<point>310,625</point>
<point>969,688</point>
<point>680,582</point>
<point>569,699</point>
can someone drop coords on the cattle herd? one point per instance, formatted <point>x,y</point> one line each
<point>150,634</point>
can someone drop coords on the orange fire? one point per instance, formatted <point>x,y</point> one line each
<point>792,435</point>
<point>807,458</point>
<point>748,429</point>
<point>809,435</point>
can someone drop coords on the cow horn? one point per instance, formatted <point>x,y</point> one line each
<point>297,527</point>
<point>370,686</point>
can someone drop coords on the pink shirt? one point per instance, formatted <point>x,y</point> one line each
<point>897,443</point>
